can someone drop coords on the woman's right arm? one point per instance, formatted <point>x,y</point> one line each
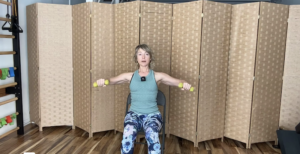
<point>122,78</point>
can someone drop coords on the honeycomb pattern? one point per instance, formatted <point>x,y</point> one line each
<point>103,65</point>
<point>268,72</point>
<point>213,70</point>
<point>186,36</point>
<point>243,39</point>
<point>81,65</point>
<point>55,41</point>
<point>126,39</point>
<point>55,53</point>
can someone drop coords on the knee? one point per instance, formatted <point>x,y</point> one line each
<point>129,130</point>
<point>152,135</point>
<point>129,135</point>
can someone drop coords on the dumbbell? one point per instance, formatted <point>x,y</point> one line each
<point>180,85</point>
<point>106,82</point>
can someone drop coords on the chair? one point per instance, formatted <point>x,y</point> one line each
<point>161,100</point>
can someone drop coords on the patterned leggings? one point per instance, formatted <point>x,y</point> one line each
<point>134,122</point>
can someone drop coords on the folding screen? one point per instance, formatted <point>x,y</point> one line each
<point>257,53</point>
<point>82,66</point>
<point>50,64</point>
<point>104,39</point>
<point>186,35</point>
<point>127,28</point>
<point>290,104</point>
<point>93,54</point>
<point>213,70</point>
<point>156,32</point>
<point>199,116</point>
<point>271,43</point>
<point>102,58</point>
<point>33,65</point>
<point>242,54</point>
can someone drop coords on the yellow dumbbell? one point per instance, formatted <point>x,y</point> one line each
<point>180,85</point>
<point>106,82</point>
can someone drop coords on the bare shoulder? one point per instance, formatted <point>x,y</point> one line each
<point>167,79</point>
<point>127,75</point>
<point>160,75</point>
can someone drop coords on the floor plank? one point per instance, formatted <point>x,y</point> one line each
<point>17,141</point>
<point>22,147</point>
<point>61,145</point>
<point>255,149</point>
<point>201,148</point>
<point>228,148</point>
<point>73,145</point>
<point>65,140</point>
<point>41,147</point>
<point>27,129</point>
<point>116,144</point>
<point>109,143</point>
<point>215,148</point>
<point>90,142</point>
<point>265,149</point>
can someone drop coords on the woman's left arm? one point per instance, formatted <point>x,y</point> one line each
<point>168,80</point>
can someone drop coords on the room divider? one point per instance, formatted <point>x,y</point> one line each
<point>232,54</point>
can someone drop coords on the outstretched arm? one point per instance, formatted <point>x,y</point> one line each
<point>122,78</point>
<point>168,80</point>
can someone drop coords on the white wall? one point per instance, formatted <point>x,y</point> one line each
<point>7,61</point>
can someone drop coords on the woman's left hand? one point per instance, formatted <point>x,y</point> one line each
<point>186,86</point>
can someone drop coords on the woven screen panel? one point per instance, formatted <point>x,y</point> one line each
<point>55,42</point>
<point>213,70</point>
<point>156,32</point>
<point>186,35</point>
<point>268,72</point>
<point>242,52</point>
<point>55,53</point>
<point>290,104</point>
<point>33,63</point>
<point>126,39</point>
<point>103,65</point>
<point>81,65</point>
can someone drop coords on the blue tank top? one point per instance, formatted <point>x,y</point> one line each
<point>143,94</point>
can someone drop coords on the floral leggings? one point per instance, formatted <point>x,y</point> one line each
<point>134,122</point>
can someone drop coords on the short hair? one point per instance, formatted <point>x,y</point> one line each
<point>148,50</point>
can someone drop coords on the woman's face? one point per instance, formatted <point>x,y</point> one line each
<point>143,57</point>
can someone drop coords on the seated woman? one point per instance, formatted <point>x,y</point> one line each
<point>143,112</point>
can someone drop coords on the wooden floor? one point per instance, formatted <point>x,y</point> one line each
<point>65,140</point>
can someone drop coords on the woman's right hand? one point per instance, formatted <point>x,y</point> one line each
<point>101,82</point>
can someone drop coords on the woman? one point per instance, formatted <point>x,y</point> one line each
<point>143,112</point>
